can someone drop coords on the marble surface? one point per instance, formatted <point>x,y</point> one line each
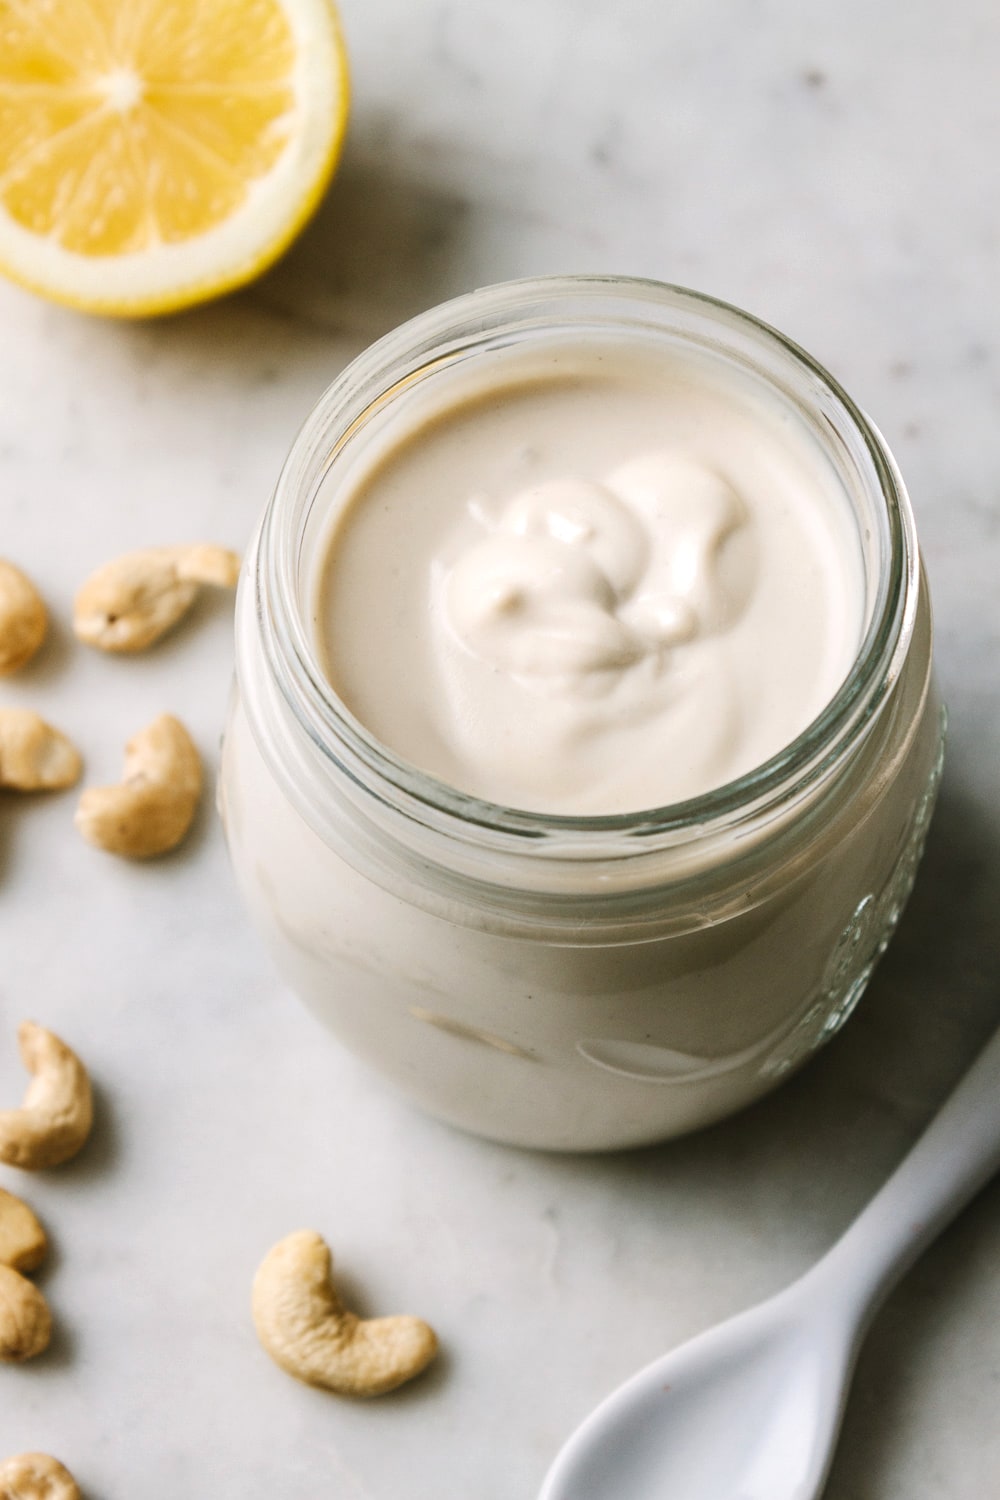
<point>832,169</point>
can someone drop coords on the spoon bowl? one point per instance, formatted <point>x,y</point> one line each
<point>746,1411</point>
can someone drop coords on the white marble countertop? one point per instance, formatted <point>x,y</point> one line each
<point>831,169</point>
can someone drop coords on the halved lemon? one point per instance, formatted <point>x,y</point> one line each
<point>154,153</point>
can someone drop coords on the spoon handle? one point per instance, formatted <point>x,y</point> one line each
<point>957,1153</point>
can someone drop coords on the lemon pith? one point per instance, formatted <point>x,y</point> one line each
<point>157,152</point>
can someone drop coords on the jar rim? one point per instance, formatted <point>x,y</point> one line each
<point>462,324</point>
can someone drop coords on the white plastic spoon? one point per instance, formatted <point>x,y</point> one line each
<point>750,1410</point>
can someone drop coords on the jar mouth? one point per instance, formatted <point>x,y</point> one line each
<point>571,305</point>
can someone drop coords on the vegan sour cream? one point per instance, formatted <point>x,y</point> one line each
<point>609,582</point>
<point>585,735</point>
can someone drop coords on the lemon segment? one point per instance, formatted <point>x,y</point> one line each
<point>154,153</point>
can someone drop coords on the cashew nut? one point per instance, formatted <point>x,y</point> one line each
<point>25,1320</point>
<point>22,1239</point>
<point>133,600</point>
<point>36,1476</point>
<point>55,1117</point>
<point>22,618</point>
<point>306,1330</point>
<point>34,757</point>
<point>152,809</point>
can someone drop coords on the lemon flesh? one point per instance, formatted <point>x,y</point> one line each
<point>157,152</point>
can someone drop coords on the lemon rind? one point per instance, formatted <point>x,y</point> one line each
<point>169,278</point>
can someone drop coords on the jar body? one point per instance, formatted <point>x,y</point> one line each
<point>596,1045</point>
<point>591,983</point>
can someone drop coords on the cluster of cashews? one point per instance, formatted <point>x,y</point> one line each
<point>300,1320</point>
<point>124,607</point>
<point>50,1126</point>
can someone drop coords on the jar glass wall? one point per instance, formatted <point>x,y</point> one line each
<point>576,982</point>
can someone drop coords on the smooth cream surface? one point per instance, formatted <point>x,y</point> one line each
<point>592,583</point>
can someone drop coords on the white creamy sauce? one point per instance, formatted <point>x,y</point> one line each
<point>606,584</point>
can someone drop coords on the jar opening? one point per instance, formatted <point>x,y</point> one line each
<point>576,308</point>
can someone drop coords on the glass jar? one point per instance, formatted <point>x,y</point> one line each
<point>577,982</point>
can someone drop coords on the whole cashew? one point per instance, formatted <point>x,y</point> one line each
<point>22,618</point>
<point>36,1476</point>
<point>56,1115</point>
<point>152,809</point>
<point>133,600</point>
<point>25,1320</point>
<point>34,757</point>
<point>305,1329</point>
<point>22,1239</point>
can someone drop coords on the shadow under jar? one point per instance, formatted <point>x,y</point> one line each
<point>576,982</point>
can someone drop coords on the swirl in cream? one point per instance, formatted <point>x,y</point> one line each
<point>582,577</point>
